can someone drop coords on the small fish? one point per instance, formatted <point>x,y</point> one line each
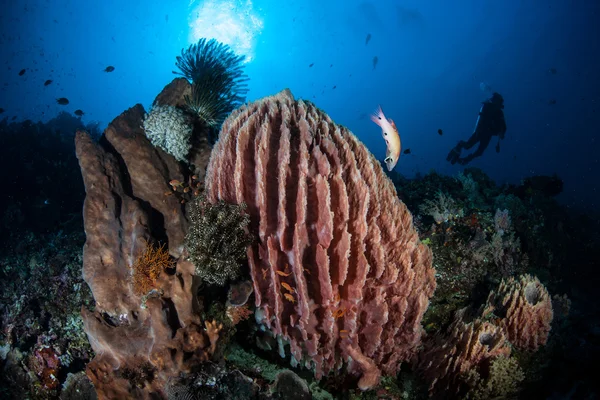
<point>407,151</point>
<point>440,132</point>
<point>110,68</point>
<point>330,65</point>
<point>553,71</point>
<point>1,110</point>
<point>311,64</point>
<point>391,137</point>
<point>42,203</point>
<point>79,113</point>
<point>22,72</point>
<point>63,101</point>
<point>287,287</point>
<point>175,183</point>
<point>375,61</point>
<point>289,297</point>
<point>552,102</point>
<point>368,39</point>
<point>334,86</point>
<point>49,81</point>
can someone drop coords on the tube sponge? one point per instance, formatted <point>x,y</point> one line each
<point>168,128</point>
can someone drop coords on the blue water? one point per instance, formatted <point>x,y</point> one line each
<point>432,57</point>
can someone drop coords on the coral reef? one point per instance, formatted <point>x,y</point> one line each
<point>339,272</point>
<point>218,81</point>
<point>41,329</point>
<point>217,240</point>
<point>443,209</point>
<point>169,128</point>
<point>466,360</point>
<point>474,235</point>
<point>525,309</point>
<point>337,279</point>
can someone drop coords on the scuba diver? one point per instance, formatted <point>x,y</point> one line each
<point>489,123</point>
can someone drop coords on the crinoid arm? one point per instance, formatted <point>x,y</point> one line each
<point>219,84</point>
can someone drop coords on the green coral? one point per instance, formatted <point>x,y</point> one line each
<point>217,240</point>
<point>502,382</point>
<point>319,393</point>
<point>245,361</point>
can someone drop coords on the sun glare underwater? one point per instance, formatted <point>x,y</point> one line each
<point>259,199</point>
<point>234,23</point>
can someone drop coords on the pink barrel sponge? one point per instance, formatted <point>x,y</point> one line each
<point>338,271</point>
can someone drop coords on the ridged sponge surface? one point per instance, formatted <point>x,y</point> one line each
<point>339,272</point>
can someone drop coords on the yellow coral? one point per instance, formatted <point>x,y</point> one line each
<point>503,380</point>
<point>148,266</point>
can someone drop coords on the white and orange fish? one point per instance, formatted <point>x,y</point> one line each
<point>391,137</point>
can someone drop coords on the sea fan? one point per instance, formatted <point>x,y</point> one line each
<point>218,80</point>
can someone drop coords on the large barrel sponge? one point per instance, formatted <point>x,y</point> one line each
<point>524,308</point>
<point>339,272</point>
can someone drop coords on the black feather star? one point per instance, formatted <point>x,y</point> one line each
<point>218,80</point>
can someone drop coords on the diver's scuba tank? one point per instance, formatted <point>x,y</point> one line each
<point>478,118</point>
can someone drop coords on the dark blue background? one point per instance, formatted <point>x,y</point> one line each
<point>432,57</point>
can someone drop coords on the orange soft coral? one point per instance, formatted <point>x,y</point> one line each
<point>148,267</point>
<point>238,314</point>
